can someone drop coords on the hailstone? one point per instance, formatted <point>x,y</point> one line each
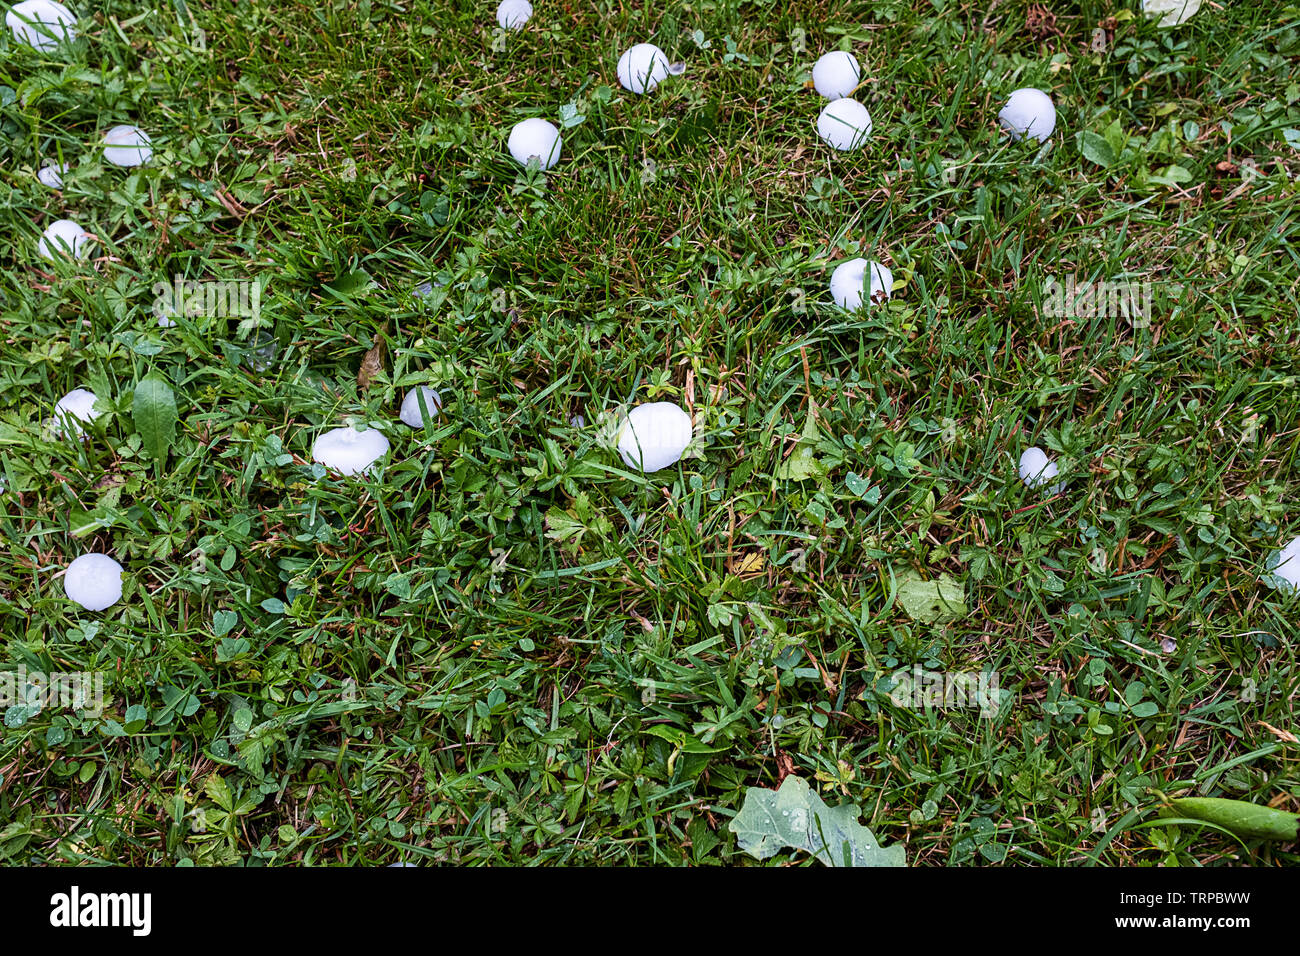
<point>642,68</point>
<point>411,414</point>
<point>127,146</point>
<point>94,581</point>
<point>51,175</point>
<point>43,24</point>
<point>836,75</point>
<point>63,237</point>
<point>1028,113</point>
<point>1288,564</point>
<point>535,139</point>
<point>654,436</point>
<point>849,280</point>
<point>1171,12</point>
<point>844,124</point>
<point>75,409</point>
<point>349,451</point>
<point>1036,470</point>
<point>513,14</point>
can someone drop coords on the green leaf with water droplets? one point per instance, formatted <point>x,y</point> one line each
<point>795,816</point>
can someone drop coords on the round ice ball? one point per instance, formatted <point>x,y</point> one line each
<point>513,14</point>
<point>94,581</point>
<point>42,24</point>
<point>127,146</point>
<point>642,68</point>
<point>63,237</point>
<point>1029,113</point>
<point>836,75</point>
<point>535,139</point>
<point>844,124</point>
<point>1171,12</point>
<point>654,436</point>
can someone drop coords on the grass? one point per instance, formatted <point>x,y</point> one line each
<point>504,647</point>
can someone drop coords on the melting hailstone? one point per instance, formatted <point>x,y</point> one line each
<point>411,414</point>
<point>348,451</point>
<point>94,581</point>
<point>1036,470</point>
<point>849,280</point>
<point>51,174</point>
<point>75,409</point>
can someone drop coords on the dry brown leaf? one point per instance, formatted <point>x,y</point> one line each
<point>372,363</point>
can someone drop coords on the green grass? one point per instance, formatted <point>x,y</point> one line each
<point>502,646</point>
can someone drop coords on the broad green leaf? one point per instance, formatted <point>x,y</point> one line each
<point>802,463</point>
<point>154,411</point>
<point>856,483</point>
<point>136,718</point>
<point>223,621</point>
<point>936,601</point>
<point>1096,149</point>
<point>351,283</point>
<point>795,816</point>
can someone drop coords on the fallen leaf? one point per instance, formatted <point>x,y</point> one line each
<point>795,816</point>
<point>372,363</point>
<point>936,601</point>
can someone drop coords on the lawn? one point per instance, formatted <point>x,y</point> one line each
<point>504,645</point>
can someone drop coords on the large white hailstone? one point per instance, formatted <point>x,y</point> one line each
<point>94,581</point>
<point>1028,113</point>
<point>348,451</point>
<point>1288,564</point>
<point>642,68</point>
<point>411,414</point>
<point>1036,470</point>
<point>63,237</point>
<point>43,24</point>
<point>836,75</point>
<point>513,14</point>
<point>844,124</point>
<point>654,436</point>
<point>1171,12</point>
<point>127,146</point>
<point>75,409</point>
<point>849,281</point>
<point>51,175</point>
<point>535,139</point>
